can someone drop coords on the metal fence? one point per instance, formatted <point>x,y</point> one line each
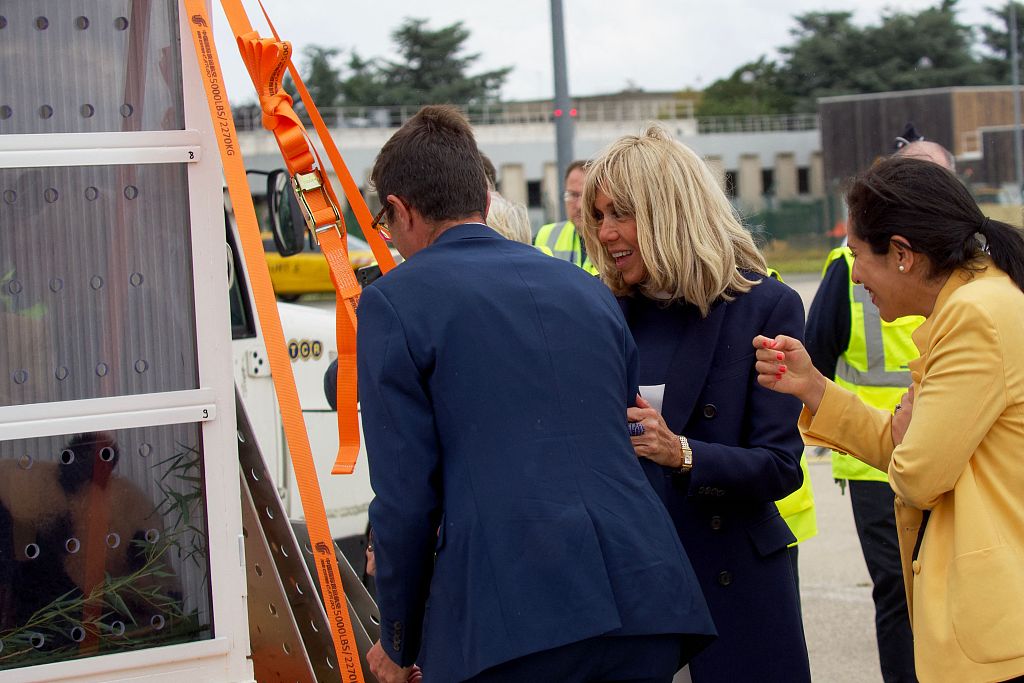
<point>497,113</point>
<point>757,124</point>
<point>523,113</point>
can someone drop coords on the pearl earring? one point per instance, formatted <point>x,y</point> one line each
<point>902,269</point>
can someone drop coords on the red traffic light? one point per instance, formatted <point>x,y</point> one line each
<point>558,113</point>
<point>572,113</point>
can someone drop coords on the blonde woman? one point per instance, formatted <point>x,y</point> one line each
<point>718,448</point>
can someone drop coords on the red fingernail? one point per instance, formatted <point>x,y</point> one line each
<point>779,356</point>
<point>778,376</point>
<point>782,368</point>
<point>765,343</point>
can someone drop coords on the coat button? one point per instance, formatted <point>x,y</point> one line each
<point>716,522</point>
<point>724,578</point>
<point>916,566</point>
<point>710,410</point>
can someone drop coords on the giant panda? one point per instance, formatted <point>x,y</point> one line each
<point>46,509</point>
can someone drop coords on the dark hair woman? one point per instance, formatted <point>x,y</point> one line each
<point>953,446</point>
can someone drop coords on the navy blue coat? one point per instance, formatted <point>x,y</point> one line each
<point>494,382</point>
<point>746,455</point>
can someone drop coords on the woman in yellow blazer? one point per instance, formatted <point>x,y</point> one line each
<point>954,448</point>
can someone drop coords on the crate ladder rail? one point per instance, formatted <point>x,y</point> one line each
<point>289,632</point>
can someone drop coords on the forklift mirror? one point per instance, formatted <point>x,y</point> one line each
<point>286,221</point>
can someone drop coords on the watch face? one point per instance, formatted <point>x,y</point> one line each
<point>687,453</point>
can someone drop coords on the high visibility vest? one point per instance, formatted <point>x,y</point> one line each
<point>561,241</point>
<point>798,507</point>
<point>874,365</point>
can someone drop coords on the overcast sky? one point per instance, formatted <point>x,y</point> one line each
<point>653,44</point>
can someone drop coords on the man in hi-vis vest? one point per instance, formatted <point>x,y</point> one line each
<point>561,239</point>
<point>847,339</point>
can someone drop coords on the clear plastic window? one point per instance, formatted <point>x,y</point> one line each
<point>103,544</point>
<point>126,57</point>
<point>96,295</point>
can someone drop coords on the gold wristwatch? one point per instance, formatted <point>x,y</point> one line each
<point>685,456</point>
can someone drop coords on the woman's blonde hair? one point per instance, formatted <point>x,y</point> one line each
<point>690,237</point>
<point>510,219</point>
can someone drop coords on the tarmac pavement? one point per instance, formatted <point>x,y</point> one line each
<point>839,617</point>
<point>835,589</point>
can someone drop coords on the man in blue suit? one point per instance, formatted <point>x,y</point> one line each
<point>516,536</point>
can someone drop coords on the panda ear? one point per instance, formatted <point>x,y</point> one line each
<point>85,456</point>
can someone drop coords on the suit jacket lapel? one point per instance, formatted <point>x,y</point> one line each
<point>691,361</point>
<point>691,364</point>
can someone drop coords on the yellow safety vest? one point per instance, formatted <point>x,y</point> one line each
<point>561,241</point>
<point>874,365</point>
<point>798,507</point>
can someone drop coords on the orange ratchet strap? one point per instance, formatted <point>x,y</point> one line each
<point>364,216</point>
<point>270,324</point>
<point>266,60</point>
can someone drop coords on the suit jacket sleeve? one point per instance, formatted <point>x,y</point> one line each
<point>846,424</point>
<point>767,466</point>
<point>959,382</point>
<point>403,455</point>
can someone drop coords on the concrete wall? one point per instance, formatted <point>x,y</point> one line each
<point>785,176</point>
<point>512,182</point>
<point>550,199</point>
<point>750,187</point>
<point>817,173</point>
<point>526,152</point>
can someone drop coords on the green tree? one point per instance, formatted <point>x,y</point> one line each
<point>996,38</point>
<point>753,88</point>
<point>830,55</point>
<point>821,56</point>
<point>431,68</point>
<point>364,85</point>
<point>321,76</point>
<point>927,49</point>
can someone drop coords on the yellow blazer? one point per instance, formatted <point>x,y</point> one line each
<point>963,459</point>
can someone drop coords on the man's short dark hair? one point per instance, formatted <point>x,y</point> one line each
<point>433,164</point>
<point>573,165</point>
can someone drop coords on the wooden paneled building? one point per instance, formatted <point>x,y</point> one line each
<point>972,122</point>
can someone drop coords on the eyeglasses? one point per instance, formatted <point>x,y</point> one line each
<point>572,196</point>
<point>380,225</point>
